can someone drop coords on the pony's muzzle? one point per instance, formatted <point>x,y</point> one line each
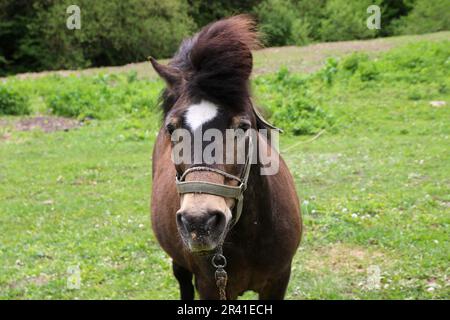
<point>201,231</point>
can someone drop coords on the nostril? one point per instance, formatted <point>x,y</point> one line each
<point>181,221</point>
<point>215,220</point>
<point>200,223</point>
<point>179,215</point>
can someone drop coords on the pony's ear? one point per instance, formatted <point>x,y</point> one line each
<point>172,76</point>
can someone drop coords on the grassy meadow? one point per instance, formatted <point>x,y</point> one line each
<point>367,138</point>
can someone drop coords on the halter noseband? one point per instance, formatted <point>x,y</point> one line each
<point>222,190</point>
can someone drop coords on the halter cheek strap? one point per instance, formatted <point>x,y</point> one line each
<point>222,190</point>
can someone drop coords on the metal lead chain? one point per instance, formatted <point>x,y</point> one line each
<point>219,262</point>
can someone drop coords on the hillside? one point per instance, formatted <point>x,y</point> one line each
<point>302,59</point>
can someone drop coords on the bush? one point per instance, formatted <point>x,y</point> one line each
<point>359,64</point>
<point>393,10</point>
<point>12,102</point>
<point>290,104</point>
<point>368,71</point>
<point>426,16</point>
<point>302,21</point>
<point>301,116</point>
<point>301,30</point>
<point>329,70</point>
<point>276,17</point>
<point>206,11</point>
<point>102,96</point>
<point>346,20</point>
<point>352,62</point>
<point>282,23</point>
<point>34,37</point>
<point>414,64</point>
<point>34,33</point>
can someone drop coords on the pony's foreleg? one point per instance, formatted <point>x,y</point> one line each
<point>184,278</point>
<point>276,287</point>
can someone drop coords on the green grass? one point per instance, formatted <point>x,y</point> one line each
<point>374,187</point>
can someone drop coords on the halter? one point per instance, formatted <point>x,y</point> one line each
<point>222,190</point>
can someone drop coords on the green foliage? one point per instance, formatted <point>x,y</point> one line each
<point>329,70</point>
<point>313,12</point>
<point>103,96</point>
<point>283,23</point>
<point>302,21</point>
<point>115,32</point>
<point>416,63</point>
<point>426,16</point>
<point>112,32</point>
<point>353,61</point>
<point>301,31</point>
<point>206,11</point>
<point>13,102</point>
<point>346,20</point>
<point>14,19</point>
<point>392,11</point>
<point>368,71</point>
<point>34,36</point>
<point>291,104</point>
<point>293,101</point>
<point>276,18</point>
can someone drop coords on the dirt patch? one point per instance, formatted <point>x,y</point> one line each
<point>310,58</point>
<point>44,123</point>
<point>38,281</point>
<point>5,136</point>
<point>344,258</point>
<point>445,204</point>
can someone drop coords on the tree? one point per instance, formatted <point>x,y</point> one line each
<point>425,16</point>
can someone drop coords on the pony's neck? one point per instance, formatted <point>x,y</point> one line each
<point>256,213</point>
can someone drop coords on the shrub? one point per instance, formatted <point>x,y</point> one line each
<point>426,16</point>
<point>346,20</point>
<point>290,104</point>
<point>13,102</point>
<point>353,61</point>
<point>414,64</point>
<point>114,32</point>
<point>283,23</point>
<point>329,70</point>
<point>206,11</point>
<point>102,96</point>
<point>359,64</point>
<point>276,17</point>
<point>301,30</point>
<point>301,115</point>
<point>368,71</point>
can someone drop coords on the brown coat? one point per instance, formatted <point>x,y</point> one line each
<point>260,247</point>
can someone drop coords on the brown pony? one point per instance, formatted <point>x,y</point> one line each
<point>208,87</point>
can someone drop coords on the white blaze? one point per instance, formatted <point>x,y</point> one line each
<point>201,113</point>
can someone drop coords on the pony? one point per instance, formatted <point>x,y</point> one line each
<point>227,227</point>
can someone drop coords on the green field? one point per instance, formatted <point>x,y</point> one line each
<point>369,152</point>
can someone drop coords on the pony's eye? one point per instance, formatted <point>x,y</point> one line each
<point>170,128</point>
<point>244,125</point>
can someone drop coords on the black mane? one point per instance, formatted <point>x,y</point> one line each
<point>216,63</point>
